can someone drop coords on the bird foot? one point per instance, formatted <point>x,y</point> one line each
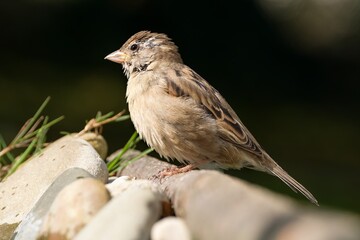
<point>175,170</point>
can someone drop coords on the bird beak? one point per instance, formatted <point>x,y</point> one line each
<point>117,56</point>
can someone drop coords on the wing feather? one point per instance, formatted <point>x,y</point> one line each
<point>231,129</point>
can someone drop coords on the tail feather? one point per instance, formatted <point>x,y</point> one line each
<point>292,183</point>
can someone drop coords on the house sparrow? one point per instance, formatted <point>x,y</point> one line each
<point>182,116</point>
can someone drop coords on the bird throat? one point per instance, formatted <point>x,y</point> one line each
<point>141,68</point>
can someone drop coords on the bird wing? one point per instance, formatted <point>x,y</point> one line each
<point>231,129</point>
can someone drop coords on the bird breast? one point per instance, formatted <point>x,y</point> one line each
<point>175,127</point>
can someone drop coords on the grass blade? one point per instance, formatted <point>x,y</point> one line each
<point>131,142</point>
<point>32,121</point>
<point>125,164</point>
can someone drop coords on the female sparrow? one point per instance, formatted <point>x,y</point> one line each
<point>182,116</point>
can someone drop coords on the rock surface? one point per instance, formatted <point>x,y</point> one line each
<point>73,208</point>
<point>123,183</point>
<point>97,141</point>
<point>20,191</point>
<point>216,206</point>
<point>30,226</point>
<point>129,215</point>
<point>170,228</point>
<point>208,204</point>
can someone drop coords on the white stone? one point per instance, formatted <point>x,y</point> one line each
<point>122,183</point>
<point>73,208</point>
<point>128,216</point>
<point>31,224</point>
<point>97,141</point>
<point>170,228</point>
<point>20,191</point>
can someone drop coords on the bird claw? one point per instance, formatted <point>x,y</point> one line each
<point>170,171</point>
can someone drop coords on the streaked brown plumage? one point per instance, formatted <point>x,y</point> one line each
<point>182,116</point>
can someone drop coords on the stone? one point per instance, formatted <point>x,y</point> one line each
<point>129,215</point>
<point>21,190</point>
<point>170,228</point>
<point>30,226</point>
<point>97,141</point>
<point>120,184</point>
<point>73,208</point>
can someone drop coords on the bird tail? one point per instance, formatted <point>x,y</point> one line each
<point>291,182</point>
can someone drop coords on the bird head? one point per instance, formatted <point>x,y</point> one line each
<point>142,51</point>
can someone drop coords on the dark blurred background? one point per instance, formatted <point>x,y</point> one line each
<point>290,69</point>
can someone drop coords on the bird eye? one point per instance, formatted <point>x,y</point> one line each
<point>134,47</point>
